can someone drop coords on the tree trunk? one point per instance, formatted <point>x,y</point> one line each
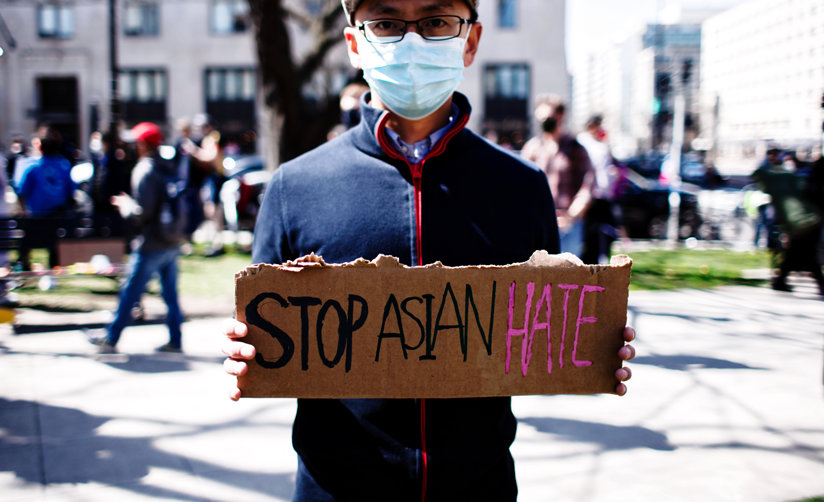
<point>295,125</point>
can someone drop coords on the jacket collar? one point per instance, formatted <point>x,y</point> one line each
<point>366,132</point>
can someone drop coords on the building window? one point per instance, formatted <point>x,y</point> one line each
<point>506,95</point>
<point>230,97</point>
<point>229,16</point>
<point>55,20</point>
<point>141,19</point>
<point>230,84</point>
<point>507,13</point>
<point>143,95</point>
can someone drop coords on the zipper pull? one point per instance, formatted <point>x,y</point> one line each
<point>416,170</point>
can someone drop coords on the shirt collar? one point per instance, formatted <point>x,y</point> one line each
<point>415,152</point>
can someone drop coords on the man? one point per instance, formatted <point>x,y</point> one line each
<point>412,182</point>
<point>158,243</point>
<point>46,187</point>
<point>600,226</point>
<point>796,217</point>
<point>17,152</point>
<point>568,170</point>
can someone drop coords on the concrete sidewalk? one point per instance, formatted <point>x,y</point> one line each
<point>726,403</point>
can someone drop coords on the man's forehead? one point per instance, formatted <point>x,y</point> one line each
<point>397,7</point>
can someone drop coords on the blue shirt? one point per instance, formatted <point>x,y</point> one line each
<point>46,185</point>
<point>414,153</point>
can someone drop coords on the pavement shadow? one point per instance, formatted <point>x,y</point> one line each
<point>155,363</point>
<point>76,323</point>
<point>635,312</point>
<point>137,363</point>
<point>30,328</point>
<point>683,362</point>
<point>145,363</point>
<point>608,437</point>
<point>46,445</point>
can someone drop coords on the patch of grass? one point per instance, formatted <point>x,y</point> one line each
<point>205,280</point>
<point>693,268</point>
<point>211,280</point>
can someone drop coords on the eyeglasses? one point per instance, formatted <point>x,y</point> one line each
<point>389,31</point>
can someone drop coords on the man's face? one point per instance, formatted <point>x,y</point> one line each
<point>411,10</point>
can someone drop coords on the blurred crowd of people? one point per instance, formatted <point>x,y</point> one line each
<point>583,177</point>
<point>788,211</point>
<point>41,180</point>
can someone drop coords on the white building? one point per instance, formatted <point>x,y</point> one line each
<point>634,84</point>
<point>175,59</point>
<point>608,86</point>
<point>763,78</point>
<point>181,57</point>
<point>521,56</point>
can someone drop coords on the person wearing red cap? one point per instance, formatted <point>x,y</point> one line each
<point>411,181</point>
<point>157,246</point>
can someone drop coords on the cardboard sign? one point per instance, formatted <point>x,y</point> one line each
<point>383,330</point>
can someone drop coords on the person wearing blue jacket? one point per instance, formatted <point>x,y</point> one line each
<point>411,181</point>
<point>46,187</point>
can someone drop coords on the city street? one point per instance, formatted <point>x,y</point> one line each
<point>726,403</point>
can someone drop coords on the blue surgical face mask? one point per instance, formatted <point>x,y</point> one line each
<point>413,77</point>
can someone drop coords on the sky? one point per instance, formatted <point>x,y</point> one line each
<point>593,23</point>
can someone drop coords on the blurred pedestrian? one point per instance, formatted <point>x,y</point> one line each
<point>17,151</point>
<point>350,103</point>
<point>797,219</point>
<point>568,170</point>
<point>758,208</point>
<point>4,213</point>
<point>184,147</point>
<point>157,246</point>
<point>206,173</point>
<point>46,187</point>
<point>601,221</point>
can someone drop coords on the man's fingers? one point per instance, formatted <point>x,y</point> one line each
<point>623,374</point>
<point>233,367</point>
<point>234,329</point>
<point>629,334</point>
<point>239,350</point>
<point>626,353</point>
<point>620,389</point>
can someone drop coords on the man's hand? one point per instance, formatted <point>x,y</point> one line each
<point>565,222</point>
<point>626,353</point>
<point>237,352</point>
<point>125,204</point>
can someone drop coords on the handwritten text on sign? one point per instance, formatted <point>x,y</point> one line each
<point>382,330</point>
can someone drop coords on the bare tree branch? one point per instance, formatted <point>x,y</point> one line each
<point>301,123</point>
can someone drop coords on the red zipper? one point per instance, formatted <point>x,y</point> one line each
<point>417,177</point>
<point>417,182</point>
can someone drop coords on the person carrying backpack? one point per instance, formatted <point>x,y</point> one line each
<point>157,210</point>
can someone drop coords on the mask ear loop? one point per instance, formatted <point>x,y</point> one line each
<point>346,12</point>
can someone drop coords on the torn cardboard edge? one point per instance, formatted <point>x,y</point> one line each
<point>380,329</point>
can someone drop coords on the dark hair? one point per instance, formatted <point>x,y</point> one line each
<point>550,124</point>
<point>51,141</point>
<point>595,121</point>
